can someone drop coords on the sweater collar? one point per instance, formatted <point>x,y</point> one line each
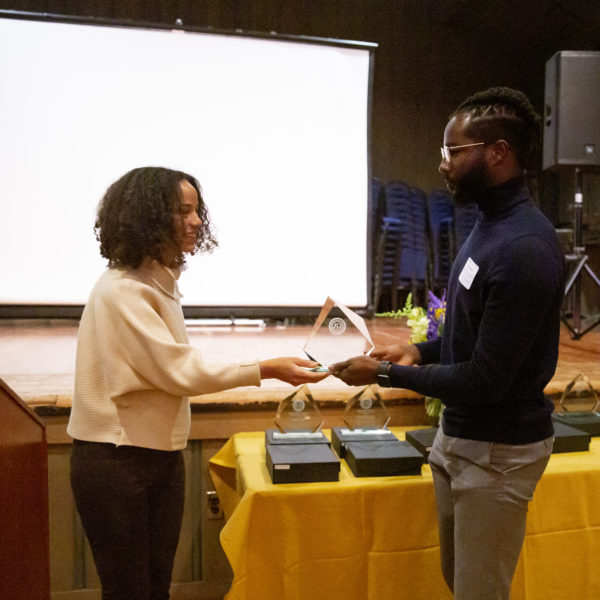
<point>165,278</point>
<point>496,200</point>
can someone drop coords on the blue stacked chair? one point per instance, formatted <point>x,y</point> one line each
<point>441,227</point>
<point>420,240</point>
<point>386,257</point>
<point>376,212</point>
<point>402,250</point>
<point>398,202</point>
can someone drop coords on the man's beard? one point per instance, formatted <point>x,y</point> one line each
<point>471,185</point>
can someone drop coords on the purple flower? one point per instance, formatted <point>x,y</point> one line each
<point>436,310</point>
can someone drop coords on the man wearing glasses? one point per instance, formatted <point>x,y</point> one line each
<point>498,349</point>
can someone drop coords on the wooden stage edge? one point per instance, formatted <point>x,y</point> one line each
<point>37,361</point>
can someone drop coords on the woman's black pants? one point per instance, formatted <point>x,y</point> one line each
<point>130,501</point>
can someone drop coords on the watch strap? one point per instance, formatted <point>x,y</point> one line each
<point>383,374</point>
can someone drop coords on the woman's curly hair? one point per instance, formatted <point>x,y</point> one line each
<point>135,217</point>
<point>503,113</point>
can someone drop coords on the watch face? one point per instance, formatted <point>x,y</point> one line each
<point>383,377</point>
<point>384,367</point>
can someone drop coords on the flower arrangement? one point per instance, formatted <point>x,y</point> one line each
<point>425,324</point>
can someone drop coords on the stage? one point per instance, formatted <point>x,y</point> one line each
<point>37,360</point>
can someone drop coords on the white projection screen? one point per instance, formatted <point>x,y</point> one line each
<point>275,128</point>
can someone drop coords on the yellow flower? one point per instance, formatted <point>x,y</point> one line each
<point>418,323</point>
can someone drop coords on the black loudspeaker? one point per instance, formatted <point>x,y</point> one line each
<point>572,110</point>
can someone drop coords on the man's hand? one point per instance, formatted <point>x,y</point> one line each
<point>399,354</point>
<point>291,370</point>
<point>360,370</point>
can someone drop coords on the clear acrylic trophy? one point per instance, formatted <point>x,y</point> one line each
<point>366,419</point>
<point>298,420</point>
<point>579,397</point>
<point>338,334</point>
<point>298,451</point>
<point>366,411</point>
<point>579,402</point>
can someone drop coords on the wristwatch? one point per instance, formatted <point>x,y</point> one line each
<point>383,374</point>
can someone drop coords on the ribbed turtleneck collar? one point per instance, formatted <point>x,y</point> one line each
<point>164,277</point>
<point>498,199</point>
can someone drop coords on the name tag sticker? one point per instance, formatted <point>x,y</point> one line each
<point>468,273</point>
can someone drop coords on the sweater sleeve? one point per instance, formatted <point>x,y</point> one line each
<point>430,351</point>
<point>522,292</point>
<point>136,329</point>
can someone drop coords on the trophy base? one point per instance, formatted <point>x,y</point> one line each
<point>422,440</point>
<point>569,439</point>
<point>302,463</point>
<point>586,421</point>
<point>377,459</point>
<point>340,436</point>
<point>276,437</point>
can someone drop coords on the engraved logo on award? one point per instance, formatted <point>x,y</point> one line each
<point>337,326</point>
<point>338,334</point>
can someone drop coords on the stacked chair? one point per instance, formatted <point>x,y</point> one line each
<point>441,229</point>
<point>415,239</point>
<point>377,211</point>
<point>401,248</point>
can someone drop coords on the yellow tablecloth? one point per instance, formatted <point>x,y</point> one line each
<point>376,538</point>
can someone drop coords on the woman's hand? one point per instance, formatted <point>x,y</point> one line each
<point>291,370</point>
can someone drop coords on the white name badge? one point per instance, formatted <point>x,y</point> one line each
<point>468,273</point>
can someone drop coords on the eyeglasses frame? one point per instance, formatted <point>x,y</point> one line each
<point>445,150</point>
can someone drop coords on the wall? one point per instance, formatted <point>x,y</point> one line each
<point>432,54</point>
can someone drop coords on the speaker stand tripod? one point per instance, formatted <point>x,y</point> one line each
<point>578,261</point>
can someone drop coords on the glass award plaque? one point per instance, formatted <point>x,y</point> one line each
<point>366,419</point>
<point>579,402</point>
<point>338,334</point>
<point>579,396</point>
<point>298,420</point>
<point>366,411</point>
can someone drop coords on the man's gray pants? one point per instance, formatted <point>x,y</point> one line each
<point>482,493</point>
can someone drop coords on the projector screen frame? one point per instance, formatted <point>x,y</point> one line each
<point>73,311</point>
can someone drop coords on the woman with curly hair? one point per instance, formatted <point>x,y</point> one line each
<point>135,369</point>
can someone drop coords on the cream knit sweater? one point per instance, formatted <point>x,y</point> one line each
<point>135,366</point>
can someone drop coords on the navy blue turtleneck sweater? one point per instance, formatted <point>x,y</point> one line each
<point>499,347</point>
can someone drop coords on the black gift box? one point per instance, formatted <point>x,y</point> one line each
<point>422,439</point>
<point>569,439</point>
<point>275,437</point>
<point>376,459</point>
<point>340,436</point>
<point>302,463</point>
<point>588,422</point>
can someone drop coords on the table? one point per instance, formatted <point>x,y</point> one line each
<point>376,537</point>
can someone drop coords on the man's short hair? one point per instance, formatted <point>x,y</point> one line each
<point>503,113</point>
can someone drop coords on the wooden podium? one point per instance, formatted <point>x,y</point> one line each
<point>24,521</point>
